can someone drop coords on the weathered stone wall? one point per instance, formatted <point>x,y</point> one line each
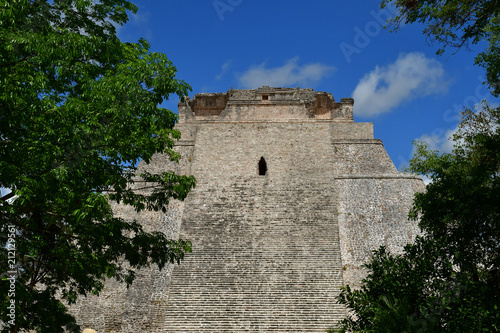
<point>269,251</point>
<point>119,309</point>
<point>143,306</point>
<point>373,211</point>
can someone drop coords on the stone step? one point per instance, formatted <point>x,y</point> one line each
<point>263,260</point>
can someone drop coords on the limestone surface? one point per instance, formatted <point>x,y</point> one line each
<point>292,196</point>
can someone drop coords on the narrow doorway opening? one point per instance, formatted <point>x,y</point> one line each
<point>262,167</point>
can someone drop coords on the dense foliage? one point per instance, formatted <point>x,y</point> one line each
<point>457,24</point>
<point>449,279</point>
<point>78,111</point>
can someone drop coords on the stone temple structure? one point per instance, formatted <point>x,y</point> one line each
<point>292,196</point>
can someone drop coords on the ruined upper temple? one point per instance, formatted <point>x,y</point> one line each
<point>292,196</point>
<point>266,104</point>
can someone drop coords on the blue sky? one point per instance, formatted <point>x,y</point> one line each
<point>396,79</point>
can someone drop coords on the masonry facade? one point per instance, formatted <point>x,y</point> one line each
<point>292,196</point>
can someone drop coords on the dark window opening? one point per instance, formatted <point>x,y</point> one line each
<point>265,97</point>
<point>262,167</point>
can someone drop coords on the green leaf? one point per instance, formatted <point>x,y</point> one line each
<point>79,112</point>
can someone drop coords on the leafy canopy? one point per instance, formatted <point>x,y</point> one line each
<point>449,279</point>
<point>457,24</point>
<point>79,110</point>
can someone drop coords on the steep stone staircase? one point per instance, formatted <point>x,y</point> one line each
<point>265,258</point>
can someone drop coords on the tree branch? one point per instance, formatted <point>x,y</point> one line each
<point>16,62</point>
<point>7,196</point>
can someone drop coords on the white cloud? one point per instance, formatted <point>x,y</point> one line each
<point>439,139</point>
<point>412,75</point>
<point>426,179</point>
<point>291,73</point>
<point>442,139</point>
<point>224,69</point>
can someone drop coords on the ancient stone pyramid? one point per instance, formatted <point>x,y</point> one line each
<point>292,195</point>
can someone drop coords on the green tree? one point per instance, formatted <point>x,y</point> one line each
<point>449,279</point>
<point>79,110</point>
<point>457,24</point>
